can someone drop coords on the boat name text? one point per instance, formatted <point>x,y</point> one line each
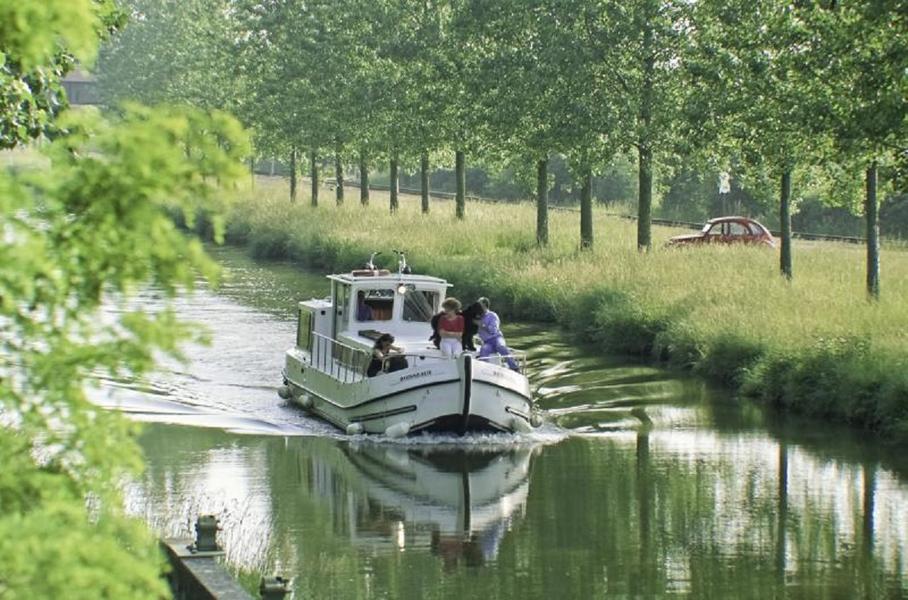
<point>415,375</point>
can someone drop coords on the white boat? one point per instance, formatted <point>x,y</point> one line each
<point>418,390</point>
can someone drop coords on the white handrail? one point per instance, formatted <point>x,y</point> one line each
<point>348,364</point>
<point>519,356</point>
<point>338,360</point>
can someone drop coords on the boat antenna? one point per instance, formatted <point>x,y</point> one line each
<point>371,264</point>
<point>402,267</point>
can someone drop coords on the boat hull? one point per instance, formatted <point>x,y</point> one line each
<point>453,395</point>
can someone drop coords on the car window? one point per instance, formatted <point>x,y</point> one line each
<point>756,229</point>
<point>736,228</point>
<point>716,229</point>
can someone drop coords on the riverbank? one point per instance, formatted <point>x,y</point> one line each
<point>813,346</point>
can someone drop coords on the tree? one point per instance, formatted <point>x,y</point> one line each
<point>538,89</point>
<point>173,52</point>
<point>865,94</point>
<point>753,64</point>
<point>38,47</point>
<point>89,230</point>
<point>640,63</point>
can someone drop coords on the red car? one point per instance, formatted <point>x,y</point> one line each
<point>727,230</point>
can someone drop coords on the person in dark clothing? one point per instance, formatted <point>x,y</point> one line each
<point>383,356</point>
<point>471,315</point>
<point>435,338</point>
<point>363,310</point>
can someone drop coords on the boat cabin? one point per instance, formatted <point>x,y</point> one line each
<point>367,303</point>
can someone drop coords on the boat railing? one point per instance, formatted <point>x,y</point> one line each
<point>338,360</point>
<point>518,356</point>
<point>348,364</point>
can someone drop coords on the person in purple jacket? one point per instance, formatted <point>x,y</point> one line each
<point>491,336</point>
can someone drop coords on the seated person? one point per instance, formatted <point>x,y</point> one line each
<point>491,336</point>
<point>383,359</point>
<point>363,310</point>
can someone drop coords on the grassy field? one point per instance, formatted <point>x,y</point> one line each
<point>813,345</point>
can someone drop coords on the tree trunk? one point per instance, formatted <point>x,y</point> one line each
<point>394,185</point>
<point>293,175</point>
<point>424,180</point>
<point>461,177</point>
<point>363,179</point>
<point>542,202</point>
<point>338,176</point>
<point>645,202</point>
<point>871,213</point>
<point>252,172</point>
<point>272,167</point>
<point>785,223</point>
<point>586,209</point>
<point>645,172</point>
<point>313,173</point>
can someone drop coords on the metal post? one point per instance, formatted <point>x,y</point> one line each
<point>274,588</point>
<point>206,531</point>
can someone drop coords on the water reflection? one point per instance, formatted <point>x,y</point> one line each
<point>458,501</point>
<point>646,513</point>
<point>455,502</point>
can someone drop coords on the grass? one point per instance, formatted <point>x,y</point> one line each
<point>813,345</point>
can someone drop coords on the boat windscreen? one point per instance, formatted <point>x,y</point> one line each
<point>420,305</point>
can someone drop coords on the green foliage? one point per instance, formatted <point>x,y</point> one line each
<point>50,547</point>
<point>719,311</point>
<point>83,233</point>
<point>39,44</point>
<point>622,323</point>
<point>841,378</point>
<point>173,52</point>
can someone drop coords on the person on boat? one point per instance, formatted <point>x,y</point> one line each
<point>363,310</point>
<point>383,356</point>
<point>435,338</point>
<point>491,336</point>
<point>470,315</point>
<point>450,328</point>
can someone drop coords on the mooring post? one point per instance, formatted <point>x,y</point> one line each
<point>196,572</point>
<point>274,588</point>
<point>206,533</point>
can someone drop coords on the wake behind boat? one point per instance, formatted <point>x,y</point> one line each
<point>327,372</point>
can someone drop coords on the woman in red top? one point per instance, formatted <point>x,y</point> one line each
<point>450,328</point>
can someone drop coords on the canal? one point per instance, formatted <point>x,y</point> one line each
<point>642,483</point>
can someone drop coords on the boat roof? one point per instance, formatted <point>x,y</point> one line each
<point>386,277</point>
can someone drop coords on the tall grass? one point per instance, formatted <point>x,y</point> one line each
<point>814,345</point>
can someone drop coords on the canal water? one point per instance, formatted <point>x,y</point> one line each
<point>643,483</point>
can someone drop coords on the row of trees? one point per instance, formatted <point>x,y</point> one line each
<point>763,89</point>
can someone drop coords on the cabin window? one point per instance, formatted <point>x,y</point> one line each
<point>374,305</point>
<point>420,305</point>
<point>304,329</point>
